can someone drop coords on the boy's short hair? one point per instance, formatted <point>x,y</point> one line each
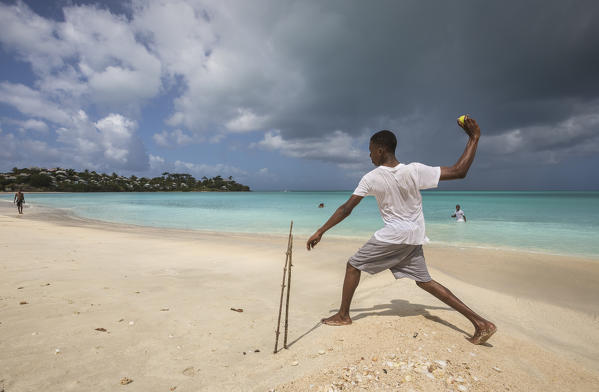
<point>385,139</point>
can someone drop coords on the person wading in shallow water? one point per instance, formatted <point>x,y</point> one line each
<point>19,199</point>
<point>459,214</point>
<point>398,245</point>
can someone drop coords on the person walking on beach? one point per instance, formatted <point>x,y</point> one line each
<point>459,214</point>
<point>398,245</point>
<point>19,199</point>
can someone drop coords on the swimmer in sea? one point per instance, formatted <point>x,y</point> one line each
<point>459,214</point>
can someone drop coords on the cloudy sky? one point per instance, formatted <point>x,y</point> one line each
<point>285,94</point>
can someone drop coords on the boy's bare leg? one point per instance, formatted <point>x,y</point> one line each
<point>352,279</point>
<point>483,329</point>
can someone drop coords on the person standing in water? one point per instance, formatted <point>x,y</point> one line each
<point>19,200</point>
<point>398,245</point>
<point>459,214</point>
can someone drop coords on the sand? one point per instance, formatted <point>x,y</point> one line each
<point>162,299</point>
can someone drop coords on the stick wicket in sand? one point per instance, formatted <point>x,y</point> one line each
<point>286,274</point>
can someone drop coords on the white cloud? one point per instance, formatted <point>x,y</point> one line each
<point>578,134</point>
<point>31,124</point>
<point>245,121</point>
<point>337,147</point>
<point>18,151</point>
<point>39,149</point>
<point>505,143</point>
<point>92,54</point>
<point>111,142</point>
<point>179,32</point>
<point>35,39</point>
<point>91,58</point>
<point>118,67</point>
<point>230,65</point>
<point>116,132</point>
<point>231,79</point>
<point>34,125</point>
<point>161,139</point>
<point>156,162</point>
<point>32,102</point>
<point>175,138</point>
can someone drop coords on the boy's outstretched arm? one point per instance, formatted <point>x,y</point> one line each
<point>460,169</point>
<point>342,212</point>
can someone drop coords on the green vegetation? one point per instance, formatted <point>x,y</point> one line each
<point>68,180</point>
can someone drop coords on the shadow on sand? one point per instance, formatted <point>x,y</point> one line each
<point>318,324</point>
<point>397,307</point>
<point>403,308</point>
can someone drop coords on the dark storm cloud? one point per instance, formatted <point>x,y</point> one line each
<point>521,68</point>
<point>512,64</point>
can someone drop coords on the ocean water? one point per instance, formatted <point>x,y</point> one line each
<point>551,222</point>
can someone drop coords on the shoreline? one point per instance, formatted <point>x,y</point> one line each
<point>64,214</point>
<point>164,298</point>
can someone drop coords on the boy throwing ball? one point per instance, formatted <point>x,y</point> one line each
<point>398,245</point>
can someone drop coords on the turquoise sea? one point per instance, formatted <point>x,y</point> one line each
<point>551,222</point>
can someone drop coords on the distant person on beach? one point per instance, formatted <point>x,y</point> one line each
<point>19,199</point>
<point>398,245</point>
<point>459,214</point>
<point>321,205</point>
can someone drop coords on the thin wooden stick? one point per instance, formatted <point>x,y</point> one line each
<point>287,255</point>
<point>281,305</point>
<point>288,291</point>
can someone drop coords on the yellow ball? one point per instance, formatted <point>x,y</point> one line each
<point>461,119</point>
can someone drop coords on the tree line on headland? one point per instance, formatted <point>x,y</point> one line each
<point>35,179</point>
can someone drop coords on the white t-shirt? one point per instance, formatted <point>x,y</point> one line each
<point>459,216</point>
<point>397,193</point>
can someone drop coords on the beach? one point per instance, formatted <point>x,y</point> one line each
<point>85,304</point>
